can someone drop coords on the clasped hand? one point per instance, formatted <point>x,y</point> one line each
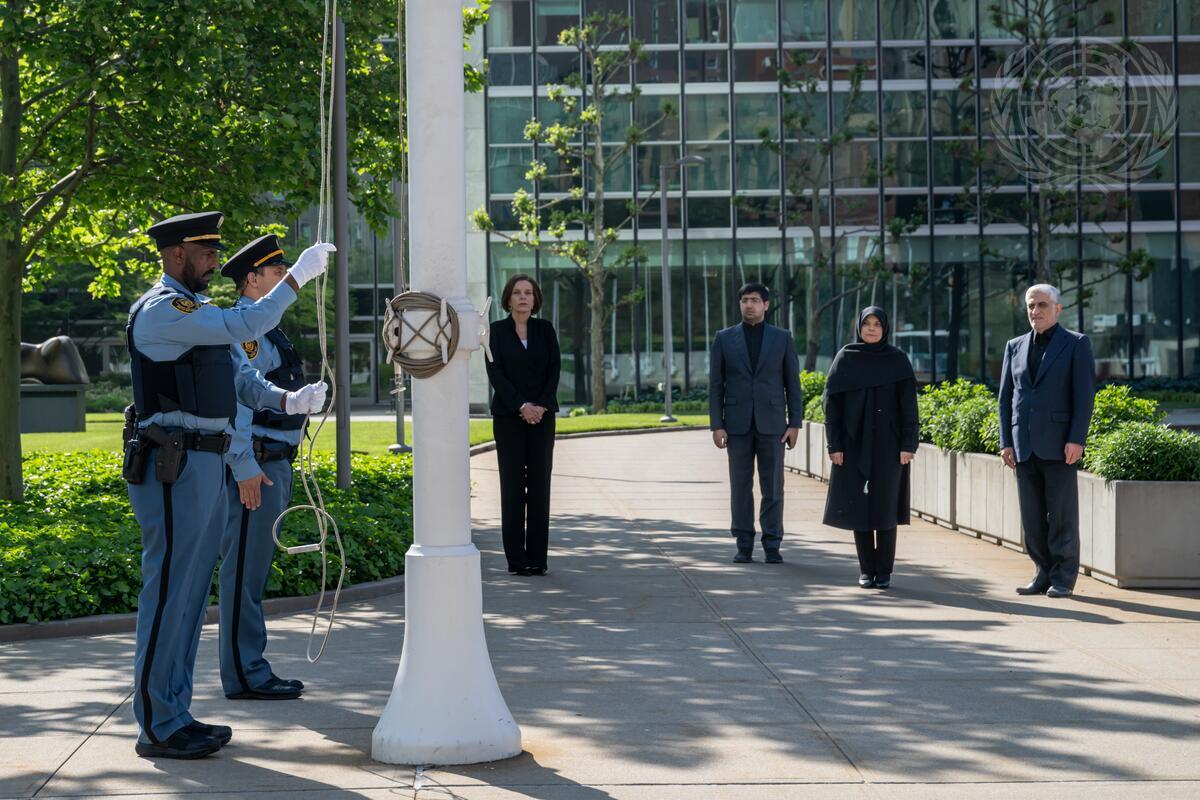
<point>532,414</point>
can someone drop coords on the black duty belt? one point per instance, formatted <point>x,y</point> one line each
<point>205,442</point>
<point>269,450</point>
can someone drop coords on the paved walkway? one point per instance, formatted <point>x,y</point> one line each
<point>646,666</point>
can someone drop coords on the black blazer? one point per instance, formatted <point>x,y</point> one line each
<point>519,375</point>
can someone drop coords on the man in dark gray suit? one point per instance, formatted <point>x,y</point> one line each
<point>753,378</point>
<point>1046,389</point>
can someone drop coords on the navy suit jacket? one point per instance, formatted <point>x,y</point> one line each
<point>737,394</point>
<point>1038,417</point>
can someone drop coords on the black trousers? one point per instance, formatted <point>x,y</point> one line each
<point>767,450</point>
<point>526,456</point>
<point>1048,493</point>
<point>876,551</point>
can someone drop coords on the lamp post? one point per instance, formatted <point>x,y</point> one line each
<point>668,346</point>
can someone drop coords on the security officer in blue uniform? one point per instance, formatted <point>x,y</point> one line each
<point>186,390</point>
<point>248,547</point>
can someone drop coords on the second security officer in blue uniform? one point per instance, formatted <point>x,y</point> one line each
<point>186,389</point>
<point>247,547</point>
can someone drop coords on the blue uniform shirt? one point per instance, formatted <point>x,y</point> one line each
<point>164,331</point>
<point>266,359</point>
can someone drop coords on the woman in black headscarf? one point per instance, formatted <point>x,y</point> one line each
<point>872,427</point>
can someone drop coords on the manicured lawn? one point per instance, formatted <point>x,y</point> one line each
<point>104,432</point>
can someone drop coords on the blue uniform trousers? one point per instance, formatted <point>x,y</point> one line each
<point>246,552</point>
<point>181,532</point>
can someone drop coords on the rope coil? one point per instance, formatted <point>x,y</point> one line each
<point>406,323</point>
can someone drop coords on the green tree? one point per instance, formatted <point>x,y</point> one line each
<point>574,164</point>
<point>813,143</point>
<point>115,113</point>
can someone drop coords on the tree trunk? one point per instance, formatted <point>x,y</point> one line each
<point>11,264</point>
<point>596,305</point>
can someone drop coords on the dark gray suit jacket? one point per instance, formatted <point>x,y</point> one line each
<point>737,395</point>
<point>1038,417</point>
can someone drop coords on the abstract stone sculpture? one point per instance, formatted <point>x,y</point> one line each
<point>54,361</point>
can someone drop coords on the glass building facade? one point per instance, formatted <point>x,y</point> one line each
<point>954,305</point>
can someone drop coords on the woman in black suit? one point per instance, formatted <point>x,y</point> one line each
<point>524,375</point>
<point>872,428</point>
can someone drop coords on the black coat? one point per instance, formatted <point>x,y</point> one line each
<point>519,375</point>
<point>895,425</point>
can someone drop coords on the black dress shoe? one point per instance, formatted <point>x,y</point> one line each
<point>866,581</point>
<point>1058,591</point>
<point>183,743</point>
<point>298,684</point>
<point>538,570</point>
<point>743,556</point>
<point>222,733</point>
<point>773,557</point>
<point>883,581</point>
<point>523,571</point>
<point>273,689</point>
<point>1033,587</point>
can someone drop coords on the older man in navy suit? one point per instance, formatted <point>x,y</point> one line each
<point>1046,390</point>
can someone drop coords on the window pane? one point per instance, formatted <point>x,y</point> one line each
<point>655,121</point>
<point>706,66</point>
<point>507,167</point>
<point>754,20</point>
<point>903,19</point>
<point>508,24</point>
<point>509,69</point>
<point>858,117</point>
<point>754,112</point>
<point>659,66</point>
<point>853,21</point>
<point>656,21</point>
<point>805,115</point>
<point>650,157</point>
<point>803,21</point>
<point>708,212</point>
<point>755,65</point>
<point>618,114</point>
<point>705,21</point>
<point>713,174</point>
<point>555,67</point>
<point>757,167</point>
<point>954,19</point>
<point>904,113</point>
<point>903,63</point>
<point>553,17</point>
<point>507,117</point>
<point>707,117</point>
<point>953,113</point>
<point>619,174</point>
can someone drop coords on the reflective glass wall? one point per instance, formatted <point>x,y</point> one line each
<point>914,124</point>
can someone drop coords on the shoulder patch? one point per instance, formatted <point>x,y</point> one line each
<point>185,305</point>
<point>251,348</point>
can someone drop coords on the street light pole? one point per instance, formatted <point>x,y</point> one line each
<point>341,237</point>
<point>668,344</point>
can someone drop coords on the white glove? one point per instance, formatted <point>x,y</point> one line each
<point>312,262</point>
<point>307,400</point>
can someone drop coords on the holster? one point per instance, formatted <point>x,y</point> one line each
<point>133,469</point>
<point>168,460</point>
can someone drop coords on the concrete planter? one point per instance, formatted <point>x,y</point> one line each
<point>1140,534</point>
<point>986,498</point>
<point>933,478</point>
<point>818,458</point>
<point>797,458</point>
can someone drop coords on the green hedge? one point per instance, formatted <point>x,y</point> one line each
<point>814,409</point>
<point>73,548</point>
<point>1143,451</point>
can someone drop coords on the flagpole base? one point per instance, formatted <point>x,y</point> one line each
<point>445,707</point>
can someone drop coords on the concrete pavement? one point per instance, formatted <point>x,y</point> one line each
<point>647,666</point>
